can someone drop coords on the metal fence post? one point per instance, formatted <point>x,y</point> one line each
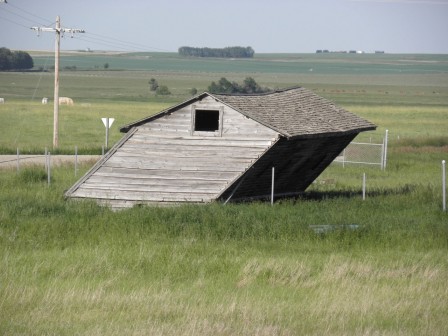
<point>46,153</point>
<point>18,160</point>
<point>76,160</point>
<point>272,186</point>
<point>364,187</point>
<point>386,140</point>
<point>444,185</point>
<point>49,168</point>
<point>107,133</point>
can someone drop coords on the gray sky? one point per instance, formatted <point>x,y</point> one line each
<point>293,26</point>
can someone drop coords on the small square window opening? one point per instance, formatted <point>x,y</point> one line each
<point>206,120</point>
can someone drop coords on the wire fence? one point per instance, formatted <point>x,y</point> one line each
<point>367,153</point>
<point>46,160</point>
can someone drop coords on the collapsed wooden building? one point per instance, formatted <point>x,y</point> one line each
<point>216,147</point>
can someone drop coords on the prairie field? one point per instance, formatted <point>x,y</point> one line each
<point>326,263</point>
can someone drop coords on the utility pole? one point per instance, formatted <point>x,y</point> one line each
<point>58,30</point>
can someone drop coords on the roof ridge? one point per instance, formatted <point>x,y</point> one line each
<point>255,93</point>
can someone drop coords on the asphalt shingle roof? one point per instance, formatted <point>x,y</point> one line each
<point>297,112</point>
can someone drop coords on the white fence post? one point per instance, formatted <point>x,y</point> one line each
<point>364,187</point>
<point>49,168</point>
<point>107,133</point>
<point>444,185</point>
<point>76,160</point>
<point>386,140</point>
<point>272,186</point>
<point>18,160</point>
<point>46,153</point>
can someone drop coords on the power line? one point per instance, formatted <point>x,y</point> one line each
<point>113,46</point>
<point>132,44</point>
<point>103,40</point>
<point>21,16</point>
<point>16,23</point>
<point>107,41</point>
<point>116,44</point>
<point>31,14</point>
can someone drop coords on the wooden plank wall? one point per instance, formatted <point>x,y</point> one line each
<point>164,162</point>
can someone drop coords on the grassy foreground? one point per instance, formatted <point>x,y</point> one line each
<point>76,268</point>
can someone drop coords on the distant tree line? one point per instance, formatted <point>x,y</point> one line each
<point>15,60</point>
<point>225,86</point>
<point>228,52</point>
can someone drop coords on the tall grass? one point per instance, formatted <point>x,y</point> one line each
<point>78,268</point>
<point>26,197</point>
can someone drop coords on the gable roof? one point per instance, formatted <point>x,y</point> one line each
<point>293,112</point>
<point>297,112</point>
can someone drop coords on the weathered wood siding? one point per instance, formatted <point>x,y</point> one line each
<point>165,161</point>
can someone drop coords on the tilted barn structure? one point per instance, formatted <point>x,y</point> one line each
<point>219,147</point>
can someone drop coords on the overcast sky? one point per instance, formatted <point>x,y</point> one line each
<point>292,26</point>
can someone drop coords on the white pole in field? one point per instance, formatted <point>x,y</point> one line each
<point>272,186</point>
<point>46,153</point>
<point>364,187</point>
<point>444,185</point>
<point>107,133</point>
<point>18,160</point>
<point>49,168</point>
<point>386,140</point>
<point>343,158</point>
<point>76,160</point>
<point>107,123</point>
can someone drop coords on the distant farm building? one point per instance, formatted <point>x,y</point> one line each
<point>217,147</point>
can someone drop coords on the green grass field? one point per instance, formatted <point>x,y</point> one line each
<point>29,125</point>
<point>343,64</point>
<point>241,269</point>
<point>407,94</point>
<point>75,268</point>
